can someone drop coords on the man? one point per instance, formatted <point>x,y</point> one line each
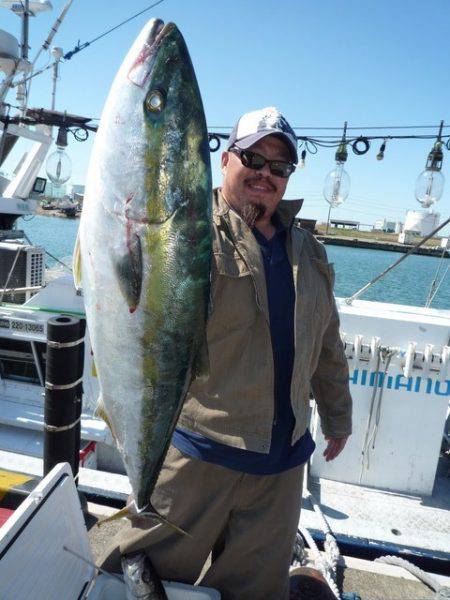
<point>233,475</point>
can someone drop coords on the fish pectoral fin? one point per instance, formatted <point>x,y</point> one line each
<point>100,413</point>
<point>128,269</point>
<point>148,513</point>
<point>76,264</point>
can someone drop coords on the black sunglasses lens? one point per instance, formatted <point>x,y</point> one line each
<point>252,160</point>
<point>280,169</point>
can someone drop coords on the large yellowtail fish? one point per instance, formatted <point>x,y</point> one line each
<point>145,244</point>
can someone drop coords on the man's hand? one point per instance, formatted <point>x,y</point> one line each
<point>334,447</point>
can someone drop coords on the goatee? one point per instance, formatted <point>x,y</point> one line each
<point>252,212</point>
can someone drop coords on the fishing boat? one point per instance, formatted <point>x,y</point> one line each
<point>389,492</point>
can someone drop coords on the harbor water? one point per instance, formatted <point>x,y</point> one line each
<point>408,284</point>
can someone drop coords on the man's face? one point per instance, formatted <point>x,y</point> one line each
<point>255,193</point>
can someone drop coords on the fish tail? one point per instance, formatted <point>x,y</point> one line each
<point>149,512</point>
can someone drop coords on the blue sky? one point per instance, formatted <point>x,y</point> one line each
<point>321,63</point>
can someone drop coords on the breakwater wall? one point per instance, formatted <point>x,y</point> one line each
<point>334,240</point>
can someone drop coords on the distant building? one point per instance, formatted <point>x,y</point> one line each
<point>378,225</point>
<point>421,221</point>
<point>388,226</point>
<point>78,189</point>
<point>408,237</point>
<point>54,191</point>
<point>309,224</point>
<point>340,223</point>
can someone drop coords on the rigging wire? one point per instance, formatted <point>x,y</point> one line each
<point>356,295</point>
<point>79,47</point>
<point>434,287</point>
<point>360,128</point>
<point>438,286</point>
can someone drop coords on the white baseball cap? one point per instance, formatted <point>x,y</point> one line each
<point>255,125</point>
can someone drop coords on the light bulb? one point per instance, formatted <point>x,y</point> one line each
<point>429,187</point>
<point>58,167</point>
<point>336,187</point>
<point>301,164</point>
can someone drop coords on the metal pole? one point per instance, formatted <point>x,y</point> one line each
<point>25,24</point>
<point>55,79</point>
<point>328,220</point>
<point>22,89</point>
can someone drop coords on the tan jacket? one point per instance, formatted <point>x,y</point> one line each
<point>234,404</point>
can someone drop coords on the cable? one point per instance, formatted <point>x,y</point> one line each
<point>63,264</point>
<point>358,128</point>
<point>78,48</point>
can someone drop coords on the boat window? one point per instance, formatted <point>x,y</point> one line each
<point>17,361</point>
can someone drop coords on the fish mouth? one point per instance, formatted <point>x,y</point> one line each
<point>153,37</point>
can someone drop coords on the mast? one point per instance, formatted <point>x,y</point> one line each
<point>22,88</point>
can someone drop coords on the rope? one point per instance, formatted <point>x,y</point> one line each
<point>369,441</point>
<point>326,563</point>
<point>320,564</point>
<point>441,591</point>
<point>365,448</point>
<point>372,438</point>
<point>331,548</point>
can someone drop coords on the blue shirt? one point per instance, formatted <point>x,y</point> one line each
<point>282,455</point>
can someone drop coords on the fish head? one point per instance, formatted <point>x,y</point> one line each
<point>178,159</point>
<point>154,129</point>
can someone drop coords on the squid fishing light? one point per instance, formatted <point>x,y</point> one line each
<point>380,154</point>
<point>337,183</point>
<point>430,183</point>
<point>301,164</point>
<point>58,165</point>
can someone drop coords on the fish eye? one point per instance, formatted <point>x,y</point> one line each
<point>154,101</point>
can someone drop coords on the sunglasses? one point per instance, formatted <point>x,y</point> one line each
<point>253,160</point>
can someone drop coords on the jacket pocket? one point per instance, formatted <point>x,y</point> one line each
<point>233,296</point>
<point>230,265</point>
<point>326,269</point>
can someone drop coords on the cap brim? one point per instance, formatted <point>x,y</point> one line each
<point>249,140</point>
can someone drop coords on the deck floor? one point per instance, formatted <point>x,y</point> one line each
<point>373,516</point>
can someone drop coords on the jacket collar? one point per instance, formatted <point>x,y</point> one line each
<point>247,246</point>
